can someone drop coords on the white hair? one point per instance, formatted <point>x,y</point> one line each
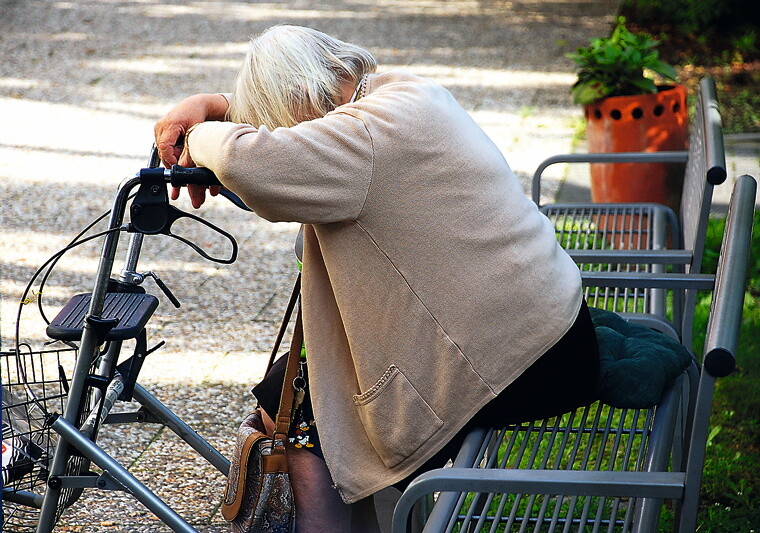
<point>292,74</point>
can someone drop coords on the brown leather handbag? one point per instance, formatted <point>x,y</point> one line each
<point>259,498</point>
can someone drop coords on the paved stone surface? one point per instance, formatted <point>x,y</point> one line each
<point>742,157</point>
<point>81,84</point>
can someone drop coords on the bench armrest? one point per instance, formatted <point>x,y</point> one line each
<point>677,156</point>
<point>722,333</point>
<point>648,280</point>
<point>527,481</point>
<point>632,257</point>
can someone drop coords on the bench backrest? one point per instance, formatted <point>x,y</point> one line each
<point>705,168</point>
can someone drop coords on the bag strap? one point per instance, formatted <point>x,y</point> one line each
<point>282,424</point>
<point>238,476</point>
<point>285,320</point>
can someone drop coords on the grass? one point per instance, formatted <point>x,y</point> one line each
<point>556,442</point>
<point>731,482</point>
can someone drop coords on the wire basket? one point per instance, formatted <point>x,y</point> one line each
<point>34,383</point>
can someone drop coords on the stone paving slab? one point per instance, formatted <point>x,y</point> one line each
<point>742,157</point>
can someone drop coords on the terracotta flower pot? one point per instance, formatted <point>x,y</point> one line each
<point>646,123</point>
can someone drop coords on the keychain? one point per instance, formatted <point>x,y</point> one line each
<point>299,385</point>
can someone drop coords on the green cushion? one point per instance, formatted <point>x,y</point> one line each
<point>636,363</point>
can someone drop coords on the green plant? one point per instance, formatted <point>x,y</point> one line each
<point>617,66</point>
<point>746,42</point>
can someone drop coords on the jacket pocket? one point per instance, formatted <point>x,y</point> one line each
<point>396,418</point>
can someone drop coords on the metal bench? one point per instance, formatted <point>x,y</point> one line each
<point>601,468</point>
<point>604,238</point>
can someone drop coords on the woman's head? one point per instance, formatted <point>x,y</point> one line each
<point>292,74</point>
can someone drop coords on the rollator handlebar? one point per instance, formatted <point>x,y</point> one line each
<point>180,176</point>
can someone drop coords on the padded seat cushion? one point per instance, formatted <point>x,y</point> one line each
<point>636,363</point>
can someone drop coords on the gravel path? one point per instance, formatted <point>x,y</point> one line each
<point>81,84</point>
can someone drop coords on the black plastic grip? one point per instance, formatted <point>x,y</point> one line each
<point>192,176</point>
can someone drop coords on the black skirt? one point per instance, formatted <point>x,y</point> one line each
<point>562,379</point>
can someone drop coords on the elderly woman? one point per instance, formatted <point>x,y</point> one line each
<point>435,296</point>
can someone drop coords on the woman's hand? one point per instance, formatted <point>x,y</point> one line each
<point>171,129</point>
<point>175,124</point>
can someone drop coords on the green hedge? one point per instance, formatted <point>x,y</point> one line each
<point>695,16</point>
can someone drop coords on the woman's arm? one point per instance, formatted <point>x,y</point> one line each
<point>318,171</point>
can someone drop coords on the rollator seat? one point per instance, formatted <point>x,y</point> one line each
<point>133,310</point>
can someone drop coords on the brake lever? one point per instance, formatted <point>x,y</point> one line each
<point>175,214</point>
<point>164,288</point>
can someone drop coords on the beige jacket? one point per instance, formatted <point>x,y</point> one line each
<point>430,282</point>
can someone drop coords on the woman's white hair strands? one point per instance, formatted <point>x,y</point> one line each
<point>292,74</point>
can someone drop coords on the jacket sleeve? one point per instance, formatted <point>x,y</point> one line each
<point>316,172</point>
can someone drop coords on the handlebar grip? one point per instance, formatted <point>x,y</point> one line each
<point>192,176</point>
